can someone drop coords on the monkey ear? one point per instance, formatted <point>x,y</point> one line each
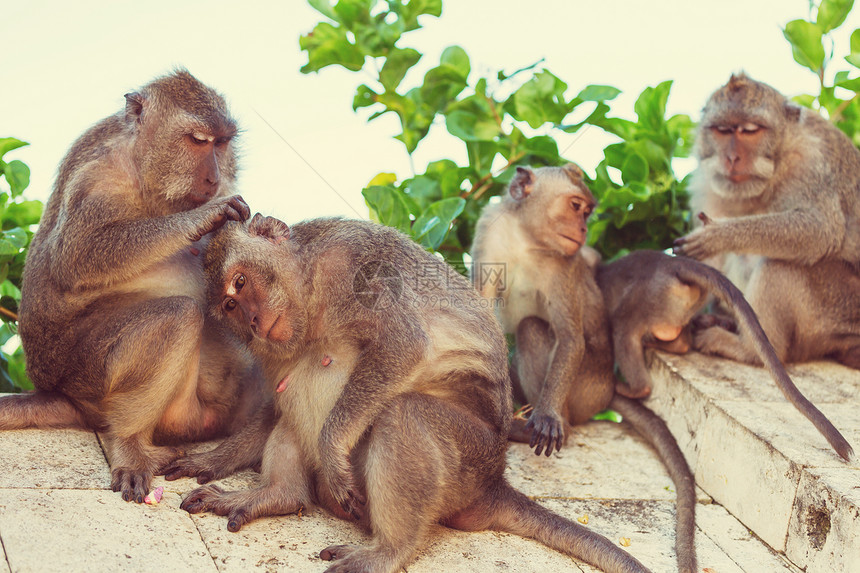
<point>269,228</point>
<point>573,171</point>
<point>792,112</point>
<point>134,106</point>
<point>521,184</point>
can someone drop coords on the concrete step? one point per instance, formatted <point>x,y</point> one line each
<point>762,460</point>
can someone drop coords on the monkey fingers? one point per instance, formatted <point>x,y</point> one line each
<point>134,484</point>
<point>696,245</point>
<point>218,212</point>
<point>202,499</point>
<point>547,430</point>
<point>190,466</point>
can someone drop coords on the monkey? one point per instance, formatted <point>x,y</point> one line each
<point>111,315</point>
<point>391,387</point>
<point>778,188</point>
<point>529,256</point>
<point>652,298</point>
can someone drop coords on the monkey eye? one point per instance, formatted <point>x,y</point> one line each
<point>239,282</point>
<point>220,141</point>
<point>749,128</point>
<point>230,304</point>
<point>198,138</point>
<point>723,129</point>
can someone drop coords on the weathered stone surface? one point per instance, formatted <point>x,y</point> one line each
<point>52,459</point>
<point>601,460</point>
<point>824,534</point>
<point>746,551</point>
<point>94,530</point>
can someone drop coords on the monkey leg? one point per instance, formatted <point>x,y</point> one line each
<point>413,479</point>
<point>284,488</point>
<point>535,343</point>
<point>717,341</point>
<point>150,365</point>
<point>630,355</point>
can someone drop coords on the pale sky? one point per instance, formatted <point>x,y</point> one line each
<point>305,152</point>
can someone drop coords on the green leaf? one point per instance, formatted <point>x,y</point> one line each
<point>387,207</point>
<point>364,96</point>
<point>469,127</point>
<point>352,12</point>
<point>9,143</point>
<point>541,146</point>
<point>832,13</point>
<point>396,65</point>
<point>634,168</point>
<point>432,226</point>
<point>415,8</point>
<point>598,93</point>
<point>609,415</point>
<point>10,290</point>
<point>323,7</point>
<point>650,107</point>
<point>24,213</point>
<point>806,46</point>
<point>18,175</point>
<point>849,84</point>
<point>327,45</point>
<point>456,58</point>
<point>541,100</point>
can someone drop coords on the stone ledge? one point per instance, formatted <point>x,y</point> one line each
<point>761,459</point>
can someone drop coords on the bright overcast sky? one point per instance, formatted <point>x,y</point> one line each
<point>305,152</point>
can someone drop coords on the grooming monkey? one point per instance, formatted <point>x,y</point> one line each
<point>111,316</point>
<point>779,185</point>
<point>563,364</point>
<point>392,409</point>
<point>652,298</point>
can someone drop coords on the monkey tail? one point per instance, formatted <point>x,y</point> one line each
<point>730,295</point>
<point>39,410</point>
<point>515,513</point>
<point>654,429</point>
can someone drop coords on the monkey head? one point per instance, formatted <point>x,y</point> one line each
<point>254,282</point>
<point>555,206</point>
<point>183,145</point>
<point>740,136</point>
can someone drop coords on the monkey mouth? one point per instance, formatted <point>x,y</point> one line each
<point>571,239</point>
<point>739,177</point>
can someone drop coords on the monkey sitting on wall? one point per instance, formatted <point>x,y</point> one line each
<point>393,393</point>
<point>652,298</point>
<point>781,189</point>
<point>111,316</point>
<point>528,255</point>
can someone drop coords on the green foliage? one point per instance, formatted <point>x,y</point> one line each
<point>16,216</point>
<point>642,204</point>
<point>809,40</point>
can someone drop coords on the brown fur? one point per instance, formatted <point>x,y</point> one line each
<point>550,300</point>
<point>780,185</point>
<point>392,392</point>
<point>111,313</point>
<point>646,289</point>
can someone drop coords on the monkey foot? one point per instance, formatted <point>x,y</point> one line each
<point>193,465</point>
<point>134,484</point>
<point>547,432</point>
<point>631,392</point>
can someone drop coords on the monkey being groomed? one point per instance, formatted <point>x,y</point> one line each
<point>781,189</point>
<point>563,363</point>
<point>652,299</point>
<point>392,392</point>
<point>111,316</point>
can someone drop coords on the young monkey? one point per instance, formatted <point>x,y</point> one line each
<point>392,393</point>
<point>652,298</point>
<point>528,255</point>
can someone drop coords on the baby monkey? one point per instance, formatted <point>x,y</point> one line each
<point>528,255</point>
<point>392,393</point>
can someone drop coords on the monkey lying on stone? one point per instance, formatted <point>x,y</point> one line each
<point>652,297</point>
<point>781,189</point>
<point>392,393</point>
<point>527,254</point>
<point>111,312</point>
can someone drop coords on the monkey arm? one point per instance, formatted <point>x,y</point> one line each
<point>800,235</point>
<point>378,376</point>
<point>109,246</point>
<point>546,420</point>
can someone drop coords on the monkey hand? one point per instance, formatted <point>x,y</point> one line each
<point>547,431</point>
<point>700,244</point>
<point>339,479</point>
<point>133,484</point>
<point>218,212</point>
<point>269,228</point>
